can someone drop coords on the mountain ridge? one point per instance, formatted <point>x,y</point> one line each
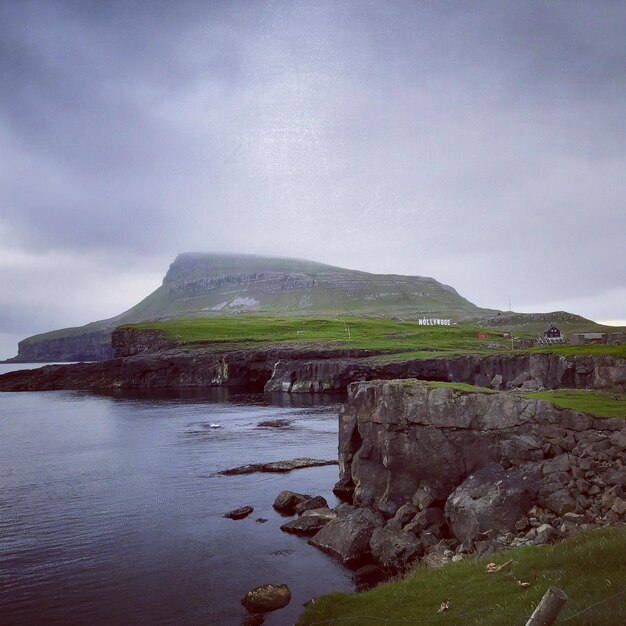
<point>200,284</point>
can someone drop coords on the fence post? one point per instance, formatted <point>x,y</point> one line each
<point>549,608</point>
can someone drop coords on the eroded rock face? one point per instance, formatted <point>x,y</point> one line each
<point>491,498</point>
<point>509,470</point>
<point>404,440</point>
<point>150,360</point>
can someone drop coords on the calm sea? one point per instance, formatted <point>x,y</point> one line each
<point>111,512</point>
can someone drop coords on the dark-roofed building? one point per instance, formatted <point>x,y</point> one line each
<point>552,332</point>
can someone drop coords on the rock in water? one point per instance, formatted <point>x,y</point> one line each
<point>287,501</point>
<point>317,502</point>
<point>347,537</point>
<point>240,513</point>
<point>279,423</point>
<point>310,522</point>
<point>266,598</point>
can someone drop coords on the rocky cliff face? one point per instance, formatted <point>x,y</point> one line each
<point>147,359</point>
<point>396,435</point>
<point>455,473</point>
<point>437,473</point>
<point>90,346</point>
<point>533,371</point>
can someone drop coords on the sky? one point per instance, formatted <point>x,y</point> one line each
<point>482,143</point>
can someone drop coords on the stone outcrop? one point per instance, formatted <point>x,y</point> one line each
<point>477,471</point>
<point>531,371</point>
<point>294,369</point>
<point>87,346</point>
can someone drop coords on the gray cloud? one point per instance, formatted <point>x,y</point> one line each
<point>481,143</point>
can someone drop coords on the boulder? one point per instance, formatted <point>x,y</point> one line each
<point>560,502</point>
<point>403,515</point>
<point>347,537</point>
<point>317,502</point>
<point>239,513</point>
<point>310,522</point>
<point>491,498</point>
<point>287,501</point>
<point>423,497</point>
<point>429,520</point>
<point>496,382</point>
<point>266,598</point>
<point>394,549</point>
<point>546,534</point>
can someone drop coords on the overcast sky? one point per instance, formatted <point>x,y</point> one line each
<point>480,143</point>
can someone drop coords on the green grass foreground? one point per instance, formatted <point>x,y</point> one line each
<point>596,403</point>
<point>590,568</point>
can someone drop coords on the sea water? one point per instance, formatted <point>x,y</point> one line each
<point>111,508</point>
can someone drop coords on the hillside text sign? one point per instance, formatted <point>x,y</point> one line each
<point>426,321</point>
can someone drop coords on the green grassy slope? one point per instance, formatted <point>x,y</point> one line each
<point>588,567</point>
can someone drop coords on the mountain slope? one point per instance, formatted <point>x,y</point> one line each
<point>199,284</point>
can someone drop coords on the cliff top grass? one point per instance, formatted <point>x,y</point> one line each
<point>464,387</point>
<point>342,332</point>
<point>408,339</point>
<point>596,403</point>
<point>588,567</point>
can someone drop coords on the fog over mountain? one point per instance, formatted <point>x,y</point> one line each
<point>480,143</point>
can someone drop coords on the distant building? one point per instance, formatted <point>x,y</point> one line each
<point>584,339</point>
<point>552,332</point>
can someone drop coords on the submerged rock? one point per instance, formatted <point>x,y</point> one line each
<point>278,423</point>
<point>266,598</point>
<point>239,513</point>
<point>277,466</point>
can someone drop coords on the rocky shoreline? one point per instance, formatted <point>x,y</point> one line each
<point>438,474</point>
<point>297,369</point>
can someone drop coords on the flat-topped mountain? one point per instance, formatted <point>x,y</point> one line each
<point>199,284</point>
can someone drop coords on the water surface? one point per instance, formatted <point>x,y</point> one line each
<point>111,512</point>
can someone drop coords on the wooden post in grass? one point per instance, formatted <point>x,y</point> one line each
<point>549,608</point>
